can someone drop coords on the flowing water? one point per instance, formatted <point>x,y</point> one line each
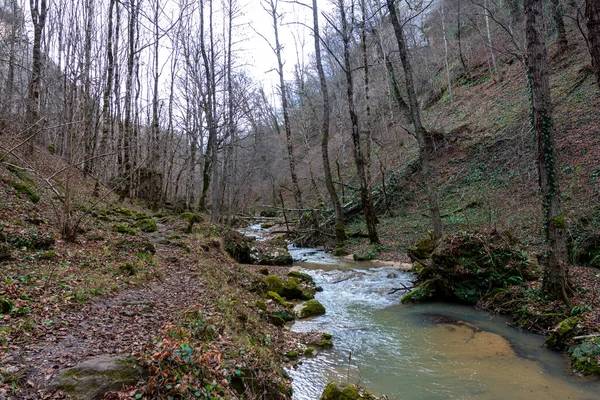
<point>428,351</point>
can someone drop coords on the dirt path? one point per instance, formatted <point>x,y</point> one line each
<point>122,324</point>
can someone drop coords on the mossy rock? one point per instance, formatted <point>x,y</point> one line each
<point>126,230</point>
<point>308,294</point>
<point>340,252</point>
<point>562,333</point>
<point>302,277</point>
<point>585,356</point>
<point>264,270</point>
<point>276,297</point>
<point>292,354</point>
<point>238,246</point>
<point>290,288</point>
<point>92,378</point>
<point>345,391</point>
<point>310,308</point>
<point>192,219</point>
<point>146,225</point>
<point>423,292</point>
<point>423,249</point>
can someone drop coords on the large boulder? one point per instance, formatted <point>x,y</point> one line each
<point>90,379</point>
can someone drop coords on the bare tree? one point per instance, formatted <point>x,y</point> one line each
<point>424,149</point>
<point>359,156</point>
<point>340,230</point>
<point>39,11</point>
<point>270,6</point>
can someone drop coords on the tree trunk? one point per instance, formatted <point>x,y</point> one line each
<point>557,15</point>
<point>424,148</point>
<point>592,14</point>
<point>359,158</point>
<point>38,16</point>
<point>340,229</point>
<point>284,105</point>
<point>555,281</point>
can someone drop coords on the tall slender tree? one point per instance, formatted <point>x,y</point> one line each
<point>359,156</point>
<point>425,149</point>
<point>39,11</point>
<point>556,277</point>
<point>271,7</point>
<point>340,230</point>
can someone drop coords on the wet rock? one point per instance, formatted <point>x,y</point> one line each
<point>92,378</point>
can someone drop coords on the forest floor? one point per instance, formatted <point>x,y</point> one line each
<point>118,290</point>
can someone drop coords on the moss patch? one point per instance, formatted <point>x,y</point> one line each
<point>311,308</point>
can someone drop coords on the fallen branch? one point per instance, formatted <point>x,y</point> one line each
<point>586,336</point>
<point>404,287</point>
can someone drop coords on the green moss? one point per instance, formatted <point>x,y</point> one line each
<point>124,229</point>
<point>301,276</point>
<point>23,189</point>
<point>274,283</point>
<point>559,221</point>
<point>308,294</point>
<point>327,336</point>
<point>584,357</point>
<point>280,300</point>
<point>261,305</point>
<point>323,343</point>
<point>423,292</point>
<point>340,252</point>
<point>311,308</point>
<point>562,333</point>
<point>342,391</point>
<point>146,225</point>
<point>309,351</point>
<point>264,270</point>
<point>423,249</point>
<point>192,219</point>
<point>292,354</point>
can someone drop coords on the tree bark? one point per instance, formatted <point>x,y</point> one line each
<point>359,157</point>
<point>340,229</point>
<point>424,148</point>
<point>592,14</point>
<point>555,281</point>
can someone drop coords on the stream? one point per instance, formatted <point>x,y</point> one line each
<point>417,352</point>
<point>427,351</point>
